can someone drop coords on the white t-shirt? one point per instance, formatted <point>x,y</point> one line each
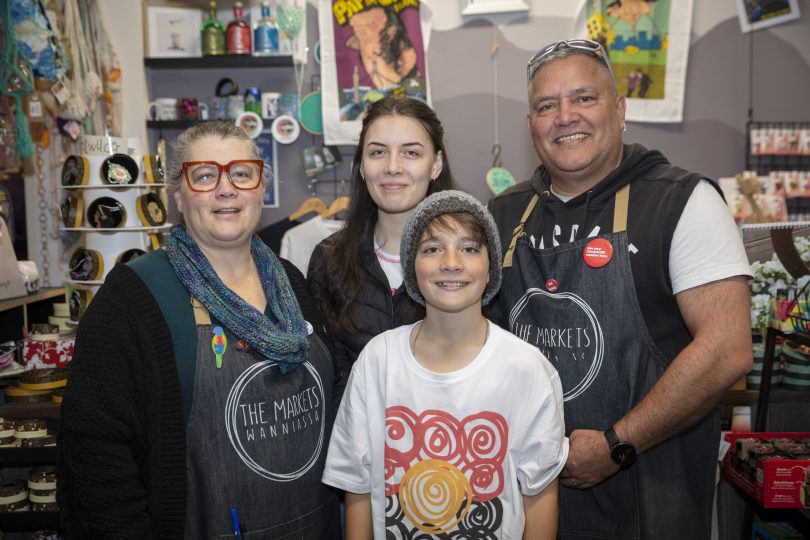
<point>433,446</point>
<point>298,243</point>
<point>706,243</point>
<point>391,265</point>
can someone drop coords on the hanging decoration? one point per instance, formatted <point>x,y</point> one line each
<point>648,45</point>
<point>16,81</point>
<point>498,178</point>
<point>369,49</point>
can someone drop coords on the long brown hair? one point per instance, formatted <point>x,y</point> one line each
<point>341,262</point>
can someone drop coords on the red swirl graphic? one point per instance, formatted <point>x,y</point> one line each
<point>441,436</point>
<point>487,436</point>
<point>486,479</point>
<point>476,446</point>
<point>401,441</point>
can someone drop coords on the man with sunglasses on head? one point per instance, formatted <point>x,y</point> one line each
<point>630,275</point>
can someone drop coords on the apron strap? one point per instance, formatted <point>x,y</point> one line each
<point>620,204</point>
<point>518,232</point>
<point>201,316</point>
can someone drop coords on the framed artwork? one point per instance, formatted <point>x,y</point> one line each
<point>479,7</point>
<point>269,153</point>
<point>172,30</point>
<point>756,14</point>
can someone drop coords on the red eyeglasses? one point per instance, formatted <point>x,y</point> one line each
<point>245,174</point>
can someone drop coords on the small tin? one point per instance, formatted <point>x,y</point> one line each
<point>253,100</point>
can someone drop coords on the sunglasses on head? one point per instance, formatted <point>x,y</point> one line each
<point>590,46</point>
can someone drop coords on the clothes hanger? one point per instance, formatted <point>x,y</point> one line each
<point>338,205</point>
<point>311,204</point>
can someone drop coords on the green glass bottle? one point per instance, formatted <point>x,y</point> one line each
<point>213,32</point>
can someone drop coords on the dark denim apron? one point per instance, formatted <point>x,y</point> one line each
<point>257,442</point>
<point>588,322</point>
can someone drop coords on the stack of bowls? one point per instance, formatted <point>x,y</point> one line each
<point>796,367</point>
<point>754,378</point>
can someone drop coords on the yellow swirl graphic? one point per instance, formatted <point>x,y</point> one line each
<point>435,496</point>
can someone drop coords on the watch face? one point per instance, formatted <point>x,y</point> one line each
<point>623,454</point>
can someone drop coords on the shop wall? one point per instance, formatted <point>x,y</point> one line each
<point>710,140</point>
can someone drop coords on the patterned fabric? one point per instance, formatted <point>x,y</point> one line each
<point>284,342</point>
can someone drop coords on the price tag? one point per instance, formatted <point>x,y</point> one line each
<point>34,108</point>
<point>60,91</point>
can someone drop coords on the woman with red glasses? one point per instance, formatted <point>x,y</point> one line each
<point>200,398</point>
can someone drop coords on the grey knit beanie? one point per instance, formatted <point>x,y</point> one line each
<point>447,202</point>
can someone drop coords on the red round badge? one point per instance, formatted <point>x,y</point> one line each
<point>552,285</point>
<point>598,253</point>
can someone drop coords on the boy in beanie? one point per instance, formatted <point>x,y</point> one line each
<point>452,425</point>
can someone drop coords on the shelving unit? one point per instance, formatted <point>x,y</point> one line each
<point>17,313</point>
<point>219,62</point>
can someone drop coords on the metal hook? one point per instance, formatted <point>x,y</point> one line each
<point>496,155</point>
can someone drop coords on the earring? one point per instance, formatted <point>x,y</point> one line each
<point>624,128</point>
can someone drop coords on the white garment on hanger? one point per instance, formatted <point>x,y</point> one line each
<point>298,243</point>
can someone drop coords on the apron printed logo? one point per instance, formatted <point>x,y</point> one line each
<point>254,423</point>
<point>576,349</point>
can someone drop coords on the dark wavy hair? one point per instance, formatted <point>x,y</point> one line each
<point>341,262</point>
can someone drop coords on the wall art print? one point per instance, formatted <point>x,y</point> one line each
<point>369,49</point>
<point>648,45</point>
<point>757,14</point>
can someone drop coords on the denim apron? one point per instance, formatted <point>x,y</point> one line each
<point>588,322</point>
<point>257,442</point>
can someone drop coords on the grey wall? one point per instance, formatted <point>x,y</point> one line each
<point>710,140</point>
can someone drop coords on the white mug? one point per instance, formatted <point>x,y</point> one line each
<point>235,106</point>
<point>163,109</point>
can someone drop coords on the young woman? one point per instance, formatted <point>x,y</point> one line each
<point>450,426</point>
<point>355,273</point>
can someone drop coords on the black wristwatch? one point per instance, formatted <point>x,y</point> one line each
<point>622,453</point>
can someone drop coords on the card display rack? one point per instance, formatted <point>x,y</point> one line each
<point>115,201</point>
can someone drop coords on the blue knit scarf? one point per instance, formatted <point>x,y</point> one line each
<point>284,342</point>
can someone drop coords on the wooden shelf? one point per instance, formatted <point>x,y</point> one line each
<point>28,521</point>
<point>218,62</point>
<point>28,455</point>
<point>171,124</point>
<point>43,294</point>
<point>48,410</point>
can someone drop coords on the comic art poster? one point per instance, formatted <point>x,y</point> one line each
<point>648,45</point>
<point>369,48</point>
<point>756,14</point>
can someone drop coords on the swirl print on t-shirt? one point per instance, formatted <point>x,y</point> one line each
<point>443,476</point>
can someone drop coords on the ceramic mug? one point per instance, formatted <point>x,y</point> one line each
<point>218,109</point>
<point>187,108</point>
<point>235,107</point>
<point>163,109</point>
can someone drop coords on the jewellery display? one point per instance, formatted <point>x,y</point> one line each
<point>151,210</point>
<point>75,171</point>
<point>153,169</point>
<point>86,265</point>
<point>119,169</point>
<point>106,213</point>
<point>78,299</point>
<point>129,255</point>
<point>72,210</point>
